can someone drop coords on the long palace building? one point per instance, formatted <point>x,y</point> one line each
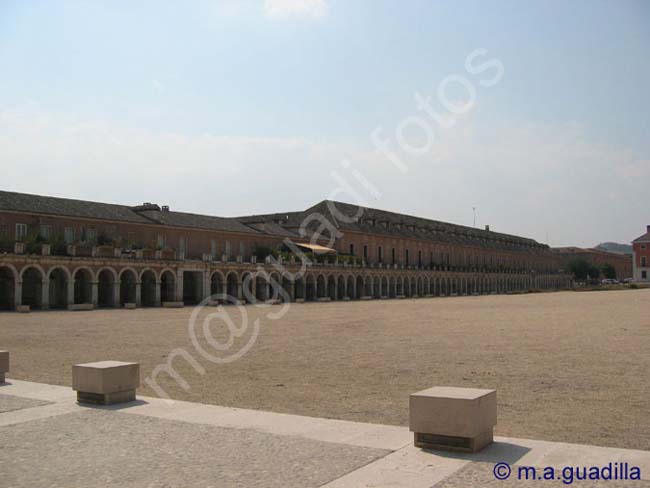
<point>62,253</point>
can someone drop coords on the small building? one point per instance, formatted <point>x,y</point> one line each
<point>641,261</point>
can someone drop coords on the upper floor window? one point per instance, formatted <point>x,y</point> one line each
<point>351,249</point>
<point>213,248</point>
<point>380,256</point>
<point>227,248</point>
<point>643,246</point>
<point>182,244</point>
<point>406,256</point>
<point>68,235</point>
<point>21,232</point>
<point>91,235</point>
<point>419,258</point>
<point>161,241</point>
<point>643,261</point>
<point>365,252</point>
<point>242,248</point>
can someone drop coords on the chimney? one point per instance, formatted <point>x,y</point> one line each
<point>165,208</point>
<point>648,228</point>
<point>487,228</point>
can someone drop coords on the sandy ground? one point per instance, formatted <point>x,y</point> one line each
<point>567,366</point>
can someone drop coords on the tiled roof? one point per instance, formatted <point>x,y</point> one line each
<point>181,219</point>
<point>644,238</point>
<point>23,202</point>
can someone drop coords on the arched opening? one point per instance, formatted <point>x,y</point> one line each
<point>167,287</point>
<point>192,287</point>
<point>231,287</point>
<point>127,287</point>
<point>391,287</point>
<point>275,290</point>
<point>217,286</point>
<point>320,286</point>
<point>83,286</point>
<point>248,287</point>
<point>349,289</point>
<point>368,286</point>
<point>300,288</point>
<point>148,290</point>
<point>32,288</point>
<point>331,287</point>
<point>310,284</point>
<point>340,288</point>
<point>376,287</point>
<point>58,289</point>
<point>287,283</point>
<point>261,287</point>
<point>359,289</point>
<point>7,288</point>
<point>399,286</point>
<point>420,287</point>
<point>384,287</point>
<point>407,287</point>
<point>105,288</point>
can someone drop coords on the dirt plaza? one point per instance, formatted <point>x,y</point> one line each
<point>567,366</point>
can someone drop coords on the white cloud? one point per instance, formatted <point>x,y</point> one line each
<point>158,86</point>
<point>295,8</point>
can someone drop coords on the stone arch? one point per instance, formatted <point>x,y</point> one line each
<point>399,286</point>
<point>384,287</point>
<point>376,286</point>
<point>58,280</point>
<point>167,286</point>
<point>368,286</point>
<point>275,290</point>
<point>8,280</point>
<point>300,289</point>
<point>106,282</point>
<point>83,280</point>
<point>392,291</point>
<point>32,278</point>
<point>148,288</point>
<point>128,284</point>
<point>407,287</point>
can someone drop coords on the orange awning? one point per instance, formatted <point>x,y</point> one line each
<point>315,248</point>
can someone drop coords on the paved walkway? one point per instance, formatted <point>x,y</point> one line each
<point>47,439</point>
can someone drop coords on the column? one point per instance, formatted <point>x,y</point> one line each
<point>157,296</point>
<point>138,293</point>
<point>45,294</point>
<point>94,290</point>
<point>18,293</point>
<point>70,294</point>
<point>116,294</point>
<point>240,290</point>
<point>292,291</point>
<point>179,285</point>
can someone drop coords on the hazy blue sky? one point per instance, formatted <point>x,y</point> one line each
<point>231,107</point>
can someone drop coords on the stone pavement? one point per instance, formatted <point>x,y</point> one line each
<point>47,440</point>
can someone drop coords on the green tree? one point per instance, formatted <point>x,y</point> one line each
<point>593,272</point>
<point>579,268</point>
<point>609,271</point>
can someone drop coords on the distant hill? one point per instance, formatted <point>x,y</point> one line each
<point>615,247</point>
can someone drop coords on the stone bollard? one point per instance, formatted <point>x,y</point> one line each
<point>105,382</point>
<point>23,309</point>
<point>453,419</point>
<point>4,365</point>
<point>173,304</point>
<point>130,306</point>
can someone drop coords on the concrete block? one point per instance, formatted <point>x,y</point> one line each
<point>365,298</point>
<point>300,300</point>
<point>173,304</point>
<point>453,419</point>
<point>4,365</point>
<point>78,307</point>
<point>23,309</point>
<point>324,299</point>
<point>346,299</point>
<point>130,306</point>
<point>401,297</point>
<point>105,382</point>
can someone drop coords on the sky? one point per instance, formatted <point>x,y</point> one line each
<point>531,117</point>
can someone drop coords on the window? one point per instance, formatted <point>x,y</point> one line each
<point>365,252</point>
<point>68,235</point>
<point>392,256</point>
<point>644,275</point>
<point>161,241</point>
<point>419,258</point>
<point>91,235</point>
<point>351,249</point>
<point>45,231</point>
<point>242,248</point>
<point>21,231</point>
<point>213,248</point>
<point>228,249</point>
<point>406,256</point>
<point>643,261</point>
<point>643,247</point>
<point>380,257</point>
